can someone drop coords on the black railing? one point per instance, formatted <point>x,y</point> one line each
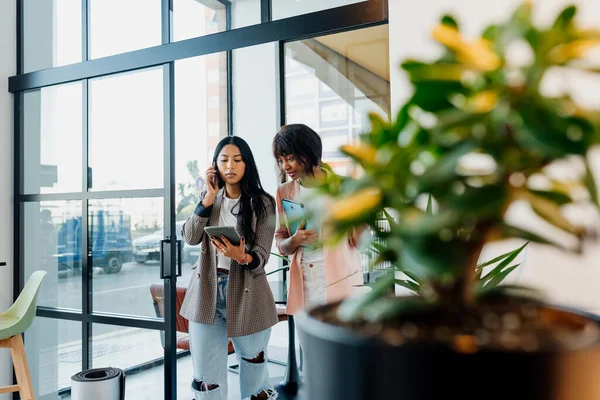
<point>369,255</point>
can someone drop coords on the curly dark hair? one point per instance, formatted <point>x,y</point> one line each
<point>301,141</point>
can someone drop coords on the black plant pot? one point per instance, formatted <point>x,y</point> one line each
<point>340,364</point>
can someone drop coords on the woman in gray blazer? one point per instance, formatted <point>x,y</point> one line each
<point>229,295</point>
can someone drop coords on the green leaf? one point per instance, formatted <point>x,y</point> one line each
<point>565,18</point>
<point>519,27</point>
<point>438,72</point>
<point>377,123</point>
<point>444,170</point>
<point>491,33</point>
<point>284,258</point>
<point>503,264</point>
<point>500,277</point>
<point>385,256</point>
<point>590,183</point>
<point>390,220</point>
<point>416,222</point>
<point>277,270</point>
<point>378,247</point>
<point>544,132</point>
<point>430,257</point>
<point>512,290</point>
<point>521,18</point>
<point>381,132</point>
<point>510,231</point>
<point>433,96</point>
<point>482,201</point>
<point>408,135</point>
<point>450,21</point>
<point>412,286</point>
<point>429,205</point>
<point>551,212</point>
<point>532,36</point>
<point>502,257</point>
<point>352,307</point>
<point>402,119</point>
<point>556,197</point>
<point>456,118</point>
<point>411,275</point>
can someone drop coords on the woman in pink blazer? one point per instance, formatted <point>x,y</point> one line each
<point>318,274</point>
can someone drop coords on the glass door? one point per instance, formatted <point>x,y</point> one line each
<point>129,226</point>
<point>99,216</point>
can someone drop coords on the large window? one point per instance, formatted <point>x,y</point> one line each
<point>290,8</point>
<point>54,240</point>
<point>121,119</point>
<point>126,119</point>
<point>111,23</point>
<point>201,115</point>
<point>256,111</point>
<point>52,33</point>
<point>57,357</point>
<point>115,131</point>
<point>333,82</point>
<point>193,18</point>
<point>52,127</point>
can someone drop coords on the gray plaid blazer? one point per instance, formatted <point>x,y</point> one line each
<point>250,303</point>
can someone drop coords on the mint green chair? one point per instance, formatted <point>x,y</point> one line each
<point>13,322</point>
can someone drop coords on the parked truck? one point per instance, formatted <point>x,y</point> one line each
<point>110,243</point>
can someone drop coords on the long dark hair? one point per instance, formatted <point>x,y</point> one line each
<point>301,141</point>
<point>253,195</point>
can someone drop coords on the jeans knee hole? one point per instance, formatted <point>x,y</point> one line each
<point>202,386</point>
<point>259,359</point>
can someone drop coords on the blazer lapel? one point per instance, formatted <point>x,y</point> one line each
<point>214,219</point>
<point>214,216</point>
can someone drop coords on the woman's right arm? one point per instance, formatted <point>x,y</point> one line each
<point>193,229</point>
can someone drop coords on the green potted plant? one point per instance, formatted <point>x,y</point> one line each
<point>478,135</point>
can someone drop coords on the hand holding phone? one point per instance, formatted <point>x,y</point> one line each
<point>212,187</point>
<point>216,180</point>
<point>305,237</point>
<point>301,233</point>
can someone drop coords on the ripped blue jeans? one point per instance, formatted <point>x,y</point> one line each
<point>208,345</point>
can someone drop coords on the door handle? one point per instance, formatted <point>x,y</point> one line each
<point>162,257</point>
<point>178,242</point>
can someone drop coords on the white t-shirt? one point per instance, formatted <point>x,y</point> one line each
<point>227,218</point>
<point>313,204</point>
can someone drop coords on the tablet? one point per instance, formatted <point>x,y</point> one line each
<point>294,213</point>
<point>228,231</point>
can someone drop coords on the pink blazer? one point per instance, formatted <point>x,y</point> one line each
<point>343,271</point>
